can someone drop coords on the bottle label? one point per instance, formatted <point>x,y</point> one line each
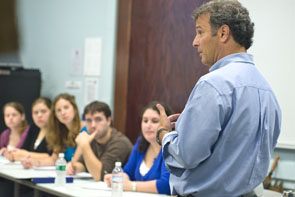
<point>61,168</point>
<point>117,179</point>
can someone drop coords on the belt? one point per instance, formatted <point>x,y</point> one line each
<point>250,194</point>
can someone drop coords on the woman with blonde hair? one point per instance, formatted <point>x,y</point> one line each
<point>15,135</point>
<point>64,126</point>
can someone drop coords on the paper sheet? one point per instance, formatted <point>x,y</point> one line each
<point>92,61</point>
<point>97,185</point>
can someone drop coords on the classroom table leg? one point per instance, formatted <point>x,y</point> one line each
<point>16,189</point>
<point>36,193</point>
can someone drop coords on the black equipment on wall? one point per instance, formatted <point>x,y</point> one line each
<point>21,85</point>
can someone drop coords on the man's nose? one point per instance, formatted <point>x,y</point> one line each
<point>93,123</point>
<point>196,42</point>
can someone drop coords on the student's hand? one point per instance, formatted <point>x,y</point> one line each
<point>3,150</point>
<point>108,179</point>
<point>84,138</point>
<point>19,154</point>
<point>127,184</point>
<point>27,162</point>
<point>70,169</point>
<point>9,155</point>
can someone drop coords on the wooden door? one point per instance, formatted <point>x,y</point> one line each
<point>155,58</point>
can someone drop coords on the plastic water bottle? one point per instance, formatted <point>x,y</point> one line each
<point>60,179</point>
<point>117,180</point>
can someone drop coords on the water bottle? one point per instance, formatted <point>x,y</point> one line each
<point>117,180</point>
<point>60,164</point>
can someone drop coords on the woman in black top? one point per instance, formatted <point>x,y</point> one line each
<point>35,145</point>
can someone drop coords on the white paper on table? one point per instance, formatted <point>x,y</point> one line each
<point>9,162</point>
<point>83,175</point>
<point>50,168</point>
<point>97,185</point>
<point>79,175</point>
<point>92,61</point>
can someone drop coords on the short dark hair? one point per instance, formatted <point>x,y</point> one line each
<point>97,106</point>
<point>231,13</point>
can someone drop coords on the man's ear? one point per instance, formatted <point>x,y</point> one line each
<point>224,33</point>
<point>109,121</point>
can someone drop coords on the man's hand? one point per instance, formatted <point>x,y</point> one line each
<point>84,138</point>
<point>166,122</point>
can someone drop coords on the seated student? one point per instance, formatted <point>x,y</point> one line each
<point>64,126</point>
<point>103,146</point>
<point>145,170</point>
<point>35,144</point>
<point>15,135</point>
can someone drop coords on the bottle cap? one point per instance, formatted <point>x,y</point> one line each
<point>61,155</point>
<point>118,164</point>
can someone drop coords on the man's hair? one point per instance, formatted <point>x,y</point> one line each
<point>231,13</point>
<point>97,106</point>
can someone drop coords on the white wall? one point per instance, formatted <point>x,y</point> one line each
<point>51,30</point>
<point>274,54</point>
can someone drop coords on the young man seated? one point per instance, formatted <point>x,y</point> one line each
<point>102,146</point>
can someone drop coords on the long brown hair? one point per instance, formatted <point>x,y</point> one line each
<point>20,108</point>
<point>58,135</point>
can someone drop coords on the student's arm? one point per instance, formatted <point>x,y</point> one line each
<point>92,164</point>
<point>74,167</point>
<point>28,162</point>
<point>19,154</point>
<point>159,185</point>
<point>77,154</point>
<point>141,186</point>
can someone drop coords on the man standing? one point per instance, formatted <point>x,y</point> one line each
<point>103,146</point>
<point>226,133</point>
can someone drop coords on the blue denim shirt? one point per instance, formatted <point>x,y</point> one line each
<point>225,135</point>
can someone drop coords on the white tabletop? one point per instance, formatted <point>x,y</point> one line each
<point>80,187</point>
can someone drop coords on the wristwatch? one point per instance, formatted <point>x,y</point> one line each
<point>158,135</point>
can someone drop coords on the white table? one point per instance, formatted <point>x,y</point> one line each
<point>21,176</point>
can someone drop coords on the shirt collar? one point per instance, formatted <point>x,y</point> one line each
<point>236,57</point>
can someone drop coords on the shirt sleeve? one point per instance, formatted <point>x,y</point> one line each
<point>163,182</point>
<point>31,138</point>
<point>23,137</point>
<point>117,150</point>
<point>198,128</point>
<point>130,166</point>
